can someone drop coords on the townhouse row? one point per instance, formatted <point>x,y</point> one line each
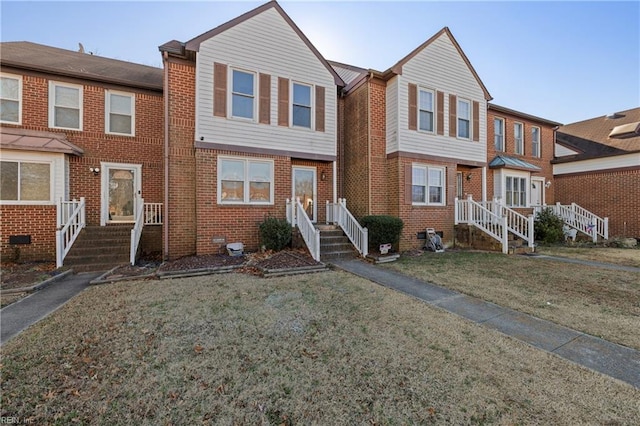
<point>244,117</point>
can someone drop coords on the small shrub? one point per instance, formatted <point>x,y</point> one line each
<point>548,227</point>
<point>275,234</point>
<point>383,230</point>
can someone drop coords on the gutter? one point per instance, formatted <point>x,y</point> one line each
<point>165,213</point>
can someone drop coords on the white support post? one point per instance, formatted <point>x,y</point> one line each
<point>59,248</point>
<point>456,211</point>
<point>606,228</point>
<point>83,221</point>
<point>471,217</point>
<point>505,235</point>
<point>365,242</point>
<point>59,212</point>
<point>531,230</point>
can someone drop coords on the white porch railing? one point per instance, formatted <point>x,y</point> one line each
<point>136,232</point>
<point>581,219</point>
<point>339,214</point>
<point>518,224</point>
<point>473,213</point>
<point>297,216</point>
<point>152,213</point>
<point>71,220</point>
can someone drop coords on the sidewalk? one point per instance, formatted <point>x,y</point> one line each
<point>600,355</point>
<point>22,314</point>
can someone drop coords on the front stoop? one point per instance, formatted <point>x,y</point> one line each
<point>100,248</point>
<point>334,244</point>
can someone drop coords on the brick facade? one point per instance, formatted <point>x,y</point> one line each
<point>145,149</point>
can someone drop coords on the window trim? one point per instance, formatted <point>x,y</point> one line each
<point>254,98</point>
<point>536,147</point>
<point>502,121</point>
<point>458,118</point>
<point>246,191</point>
<point>517,151</point>
<point>52,96</point>
<point>427,168</point>
<point>312,123</point>
<point>52,176</point>
<point>107,112</point>
<point>433,110</point>
<point>19,78</point>
<point>524,182</point>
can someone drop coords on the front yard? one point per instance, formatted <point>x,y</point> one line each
<point>325,348</point>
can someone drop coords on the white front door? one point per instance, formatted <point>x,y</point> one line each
<point>121,187</point>
<point>537,191</point>
<point>304,187</point>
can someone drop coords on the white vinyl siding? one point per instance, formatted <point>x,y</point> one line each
<point>498,134</point>
<point>245,181</point>
<point>65,106</point>
<point>427,185</point>
<point>518,138</point>
<point>10,99</point>
<point>34,178</point>
<point>120,109</point>
<point>596,164</point>
<point>426,110</point>
<point>535,142</point>
<point>439,66</point>
<point>264,44</point>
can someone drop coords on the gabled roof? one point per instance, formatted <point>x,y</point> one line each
<point>523,115</point>
<point>592,137</point>
<point>32,140</point>
<point>37,57</point>
<point>194,43</point>
<point>397,68</point>
<point>505,161</point>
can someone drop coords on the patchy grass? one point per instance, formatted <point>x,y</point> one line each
<point>617,256</point>
<point>317,349</point>
<point>600,302</point>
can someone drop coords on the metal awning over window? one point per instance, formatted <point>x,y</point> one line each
<point>32,140</point>
<point>504,161</point>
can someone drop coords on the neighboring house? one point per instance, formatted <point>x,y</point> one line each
<point>410,132</point>
<point>253,121</point>
<point>520,148</point>
<point>74,125</point>
<point>597,166</point>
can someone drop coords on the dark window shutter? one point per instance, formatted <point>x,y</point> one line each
<point>413,107</point>
<point>440,113</point>
<point>453,116</point>
<point>320,108</point>
<point>219,90</point>
<point>283,101</point>
<point>476,121</point>
<point>265,99</point>
<point>408,184</point>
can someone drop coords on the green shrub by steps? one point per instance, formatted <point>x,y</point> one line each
<point>382,230</point>
<point>275,234</point>
<point>548,227</point>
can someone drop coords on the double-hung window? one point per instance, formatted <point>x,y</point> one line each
<point>535,141</point>
<point>427,185</point>
<point>516,191</point>
<point>301,105</point>
<point>65,106</point>
<point>120,113</point>
<point>245,181</point>
<point>498,134</point>
<point>25,181</point>
<point>243,94</point>
<point>464,119</point>
<point>518,138</point>
<point>10,99</point>
<point>425,112</point>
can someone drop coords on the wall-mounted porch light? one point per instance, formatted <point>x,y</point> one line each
<point>94,170</point>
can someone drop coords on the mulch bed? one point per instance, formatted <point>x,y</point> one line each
<point>18,275</point>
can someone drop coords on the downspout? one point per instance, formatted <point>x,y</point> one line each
<point>165,213</point>
<point>369,143</point>
<point>335,183</point>
<point>484,183</point>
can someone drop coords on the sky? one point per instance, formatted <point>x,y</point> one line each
<point>563,61</point>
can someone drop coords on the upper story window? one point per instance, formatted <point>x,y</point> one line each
<point>120,113</point>
<point>516,191</point>
<point>301,105</point>
<point>245,181</point>
<point>535,141</point>
<point>425,111</point>
<point>498,133</point>
<point>518,138</point>
<point>25,181</point>
<point>464,119</point>
<point>243,94</point>
<point>427,185</point>
<point>10,99</point>
<point>65,106</point>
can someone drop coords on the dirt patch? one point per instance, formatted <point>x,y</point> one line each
<point>18,275</point>
<point>286,260</point>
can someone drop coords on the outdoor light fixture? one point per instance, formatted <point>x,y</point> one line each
<point>94,170</point>
<point>548,184</point>
<point>323,176</point>
<point>468,177</point>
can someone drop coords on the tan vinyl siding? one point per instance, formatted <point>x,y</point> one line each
<point>265,44</point>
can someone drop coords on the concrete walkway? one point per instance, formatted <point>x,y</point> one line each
<point>18,316</point>
<point>614,360</point>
